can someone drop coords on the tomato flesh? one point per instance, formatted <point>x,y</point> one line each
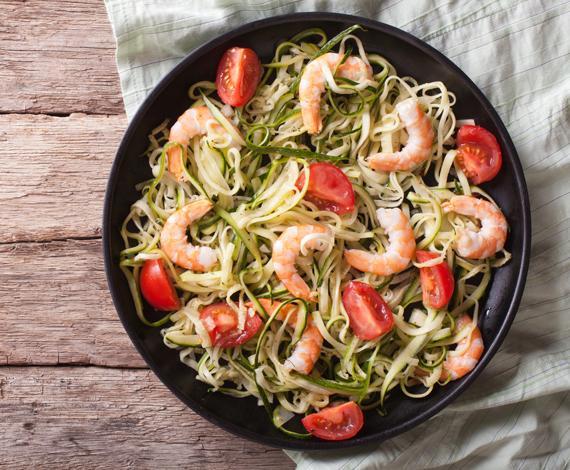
<point>335,423</point>
<point>369,315</point>
<point>478,154</point>
<point>239,73</point>
<point>156,286</point>
<point>329,188</point>
<point>221,322</point>
<point>437,281</point>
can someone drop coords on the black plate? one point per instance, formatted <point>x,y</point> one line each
<point>169,99</point>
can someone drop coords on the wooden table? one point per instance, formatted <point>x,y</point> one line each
<point>73,390</point>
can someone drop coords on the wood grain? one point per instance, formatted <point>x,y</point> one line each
<point>89,417</point>
<point>54,173</point>
<point>57,57</point>
<point>56,308</point>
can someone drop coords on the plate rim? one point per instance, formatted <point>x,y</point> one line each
<point>525,223</point>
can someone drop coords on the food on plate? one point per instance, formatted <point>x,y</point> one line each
<point>194,122</point>
<point>436,280</point>
<point>418,147</point>
<point>399,249</point>
<point>478,154</point>
<point>239,72</point>
<point>485,241</point>
<point>156,286</point>
<point>314,80</point>
<point>369,316</point>
<point>464,358</point>
<point>329,188</point>
<point>314,230</point>
<point>335,423</point>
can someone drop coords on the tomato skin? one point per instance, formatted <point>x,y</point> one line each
<point>335,423</point>
<point>156,286</point>
<point>478,154</point>
<point>221,322</point>
<point>437,281</point>
<point>239,73</point>
<point>329,188</point>
<point>369,315</point>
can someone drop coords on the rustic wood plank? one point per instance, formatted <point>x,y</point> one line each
<point>57,57</point>
<point>68,417</point>
<point>54,173</point>
<point>56,308</point>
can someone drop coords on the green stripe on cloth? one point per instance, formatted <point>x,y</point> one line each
<point>517,413</point>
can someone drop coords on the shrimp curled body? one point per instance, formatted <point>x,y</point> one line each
<point>469,351</point>
<point>308,348</point>
<point>193,122</point>
<point>174,242</point>
<point>419,145</point>
<point>400,251</point>
<point>285,252</point>
<point>492,235</point>
<point>313,81</point>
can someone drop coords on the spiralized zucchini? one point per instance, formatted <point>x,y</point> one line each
<point>255,199</point>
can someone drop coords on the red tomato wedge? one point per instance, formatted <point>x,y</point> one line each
<point>239,72</point>
<point>221,322</point>
<point>437,281</point>
<point>368,313</point>
<point>156,286</point>
<point>335,423</point>
<point>478,154</point>
<point>329,188</point>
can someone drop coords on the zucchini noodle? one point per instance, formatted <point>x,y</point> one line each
<point>255,199</point>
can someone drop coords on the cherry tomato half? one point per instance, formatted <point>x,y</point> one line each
<point>156,286</point>
<point>329,188</point>
<point>335,423</point>
<point>221,322</point>
<point>478,154</point>
<point>368,313</point>
<point>239,72</point>
<point>437,281</point>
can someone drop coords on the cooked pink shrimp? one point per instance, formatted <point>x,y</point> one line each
<point>174,242</point>
<point>285,252</point>
<point>492,235</point>
<point>313,80</point>
<point>471,348</point>
<point>194,122</point>
<point>399,252</point>
<point>308,348</point>
<point>418,147</point>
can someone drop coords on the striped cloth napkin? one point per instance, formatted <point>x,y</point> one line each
<point>517,413</point>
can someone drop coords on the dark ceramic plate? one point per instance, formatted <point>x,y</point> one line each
<point>169,99</point>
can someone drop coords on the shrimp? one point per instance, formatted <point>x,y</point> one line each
<point>285,252</point>
<point>308,348</point>
<point>399,252</point>
<point>469,351</point>
<point>194,122</point>
<point>312,84</point>
<point>420,140</point>
<point>492,235</point>
<point>174,242</point>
